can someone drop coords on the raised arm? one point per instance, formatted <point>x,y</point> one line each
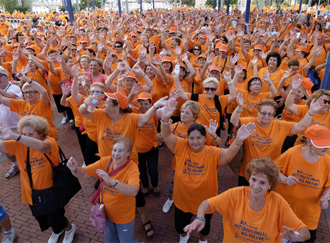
<point>289,103</point>
<point>144,118</point>
<point>167,111</point>
<point>234,119</point>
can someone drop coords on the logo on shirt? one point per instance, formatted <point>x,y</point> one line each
<point>192,168</point>
<point>249,233</point>
<point>109,134</point>
<point>307,180</point>
<point>261,141</point>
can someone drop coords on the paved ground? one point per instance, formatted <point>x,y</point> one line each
<point>77,211</point>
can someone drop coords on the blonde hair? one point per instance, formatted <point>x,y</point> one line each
<point>193,106</point>
<point>26,85</point>
<point>98,84</point>
<point>98,60</point>
<point>317,94</point>
<point>37,123</point>
<point>212,80</point>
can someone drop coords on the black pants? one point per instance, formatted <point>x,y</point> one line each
<point>60,108</point>
<point>90,151</point>
<point>148,163</point>
<point>82,141</point>
<point>288,143</point>
<point>56,220</point>
<point>242,181</point>
<point>139,199</point>
<point>182,219</point>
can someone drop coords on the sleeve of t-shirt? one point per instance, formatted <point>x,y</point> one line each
<point>221,203</point>
<point>285,127</point>
<point>54,150</point>
<point>180,144</point>
<point>101,164</point>
<point>11,146</point>
<point>134,175</point>
<point>302,110</point>
<point>16,105</point>
<point>281,162</point>
<point>223,99</point>
<point>97,115</point>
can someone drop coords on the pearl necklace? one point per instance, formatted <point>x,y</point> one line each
<point>260,207</point>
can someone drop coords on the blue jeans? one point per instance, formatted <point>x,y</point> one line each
<point>120,232</point>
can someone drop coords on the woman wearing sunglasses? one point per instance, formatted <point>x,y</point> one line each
<point>270,134</point>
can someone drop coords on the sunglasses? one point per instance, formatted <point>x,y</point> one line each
<point>118,46</point>
<point>73,49</point>
<point>327,102</point>
<point>208,89</point>
<point>196,49</point>
<point>264,114</point>
<point>113,56</point>
<point>29,92</point>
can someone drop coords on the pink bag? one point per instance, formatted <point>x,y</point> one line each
<point>97,216</point>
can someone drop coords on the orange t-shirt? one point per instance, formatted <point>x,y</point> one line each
<point>23,108</point>
<point>145,136</point>
<point>119,208</point>
<point>158,90</point>
<point>275,77</point>
<point>242,224</point>
<point>304,197</point>
<point>55,80</point>
<point>222,64</point>
<point>41,169</point>
<point>249,108</point>
<point>107,131</point>
<point>208,110</point>
<point>78,118</point>
<point>287,115</point>
<point>39,77</point>
<point>265,142</point>
<point>195,177</point>
<point>260,64</point>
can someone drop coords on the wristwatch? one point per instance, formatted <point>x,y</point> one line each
<point>200,218</point>
<point>298,234</point>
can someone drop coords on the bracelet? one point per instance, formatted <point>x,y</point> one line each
<point>297,234</point>
<point>291,92</point>
<point>165,123</point>
<point>30,81</point>
<point>230,82</point>
<point>325,195</point>
<point>200,218</point>
<point>310,114</point>
<point>270,83</point>
<point>116,183</point>
<point>143,75</point>
<point>240,144</point>
<point>19,137</point>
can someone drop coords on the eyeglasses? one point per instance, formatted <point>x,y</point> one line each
<point>73,49</point>
<point>264,114</point>
<point>208,89</point>
<point>118,46</point>
<point>96,92</point>
<point>113,56</point>
<point>29,92</point>
<point>326,102</point>
<point>197,49</point>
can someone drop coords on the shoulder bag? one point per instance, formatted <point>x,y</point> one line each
<point>43,201</point>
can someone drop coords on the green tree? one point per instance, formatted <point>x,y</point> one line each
<point>11,6</point>
<point>83,4</point>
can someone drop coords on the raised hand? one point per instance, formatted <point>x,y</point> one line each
<point>136,89</point>
<point>210,58</point>
<point>227,76</point>
<point>5,132</point>
<point>296,81</point>
<point>317,105</point>
<point>234,59</point>
<point>239,99</point>
<point>168,109</point>
<point>254,60</point>
<point>178,50</point>
<point>66,89</point>
<point>245,131</point>
<point>212,128</point>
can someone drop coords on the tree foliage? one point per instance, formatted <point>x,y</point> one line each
<point>210,3</point>
<point>11,6</point>
<point>83,4</point>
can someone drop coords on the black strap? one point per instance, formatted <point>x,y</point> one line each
<point>28,167</point>
<point>194,97</point>
<point>224,65</point>
<point>218,106</point>
<point>62,157</point>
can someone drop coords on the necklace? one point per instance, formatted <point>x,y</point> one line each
<point>260,207</point>
<point>272,71</point>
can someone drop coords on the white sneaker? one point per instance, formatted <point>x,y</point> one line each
<point>9,237</point>
<point>68,237</point>
<point>71,121</point>
<point>64,120</point>
<point>83,165</point>
<point>200,241</point>
<point>12,171</point>
<point>167,206</point>
<point>185,238</point>
<point>54,237</point>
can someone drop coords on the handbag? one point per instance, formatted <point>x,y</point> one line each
<point>65,184</point>
<point>43,201</point>
<point>97,215</point>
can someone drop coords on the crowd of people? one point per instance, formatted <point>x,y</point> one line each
<point>130,85</point>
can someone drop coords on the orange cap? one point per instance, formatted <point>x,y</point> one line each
<point>258,47</point>
<point>83,40</point>
<point>131,75</point>
<point>319,136</point>
<point>16,44</point>
<point>41,33</point>
<point>203,36</point>
<point>172,30</point>
<point>113,52</point>
<point>302,48</point>
<point>91,47</point>
<point>114,39</point>
<point>29,47</point>
<point>202,55</point>
<point>215,69</point>
<point>223,48</point>
<point>144,96</point>
<point>246,37</point>
<point>135,34</point>
<point>166,59</point>
<point>182,65</point>
<point>217,46</point>
<point>243,66</point>
<point>308,85</point>
<point>121,99</point>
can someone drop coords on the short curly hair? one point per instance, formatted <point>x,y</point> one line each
<point>276,55</point>
<point>264,166</point>
<point>37,123</point>
<point>269,102</point>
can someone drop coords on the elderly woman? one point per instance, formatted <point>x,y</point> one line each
<point>270,134</point>
<point>304,177</point>
<point>33,137</point>
<point>257,213</point>
<point>95,74</point>
<point>37,102</point>
<point>189,113</point>
<point>196,168</point>
<point>118,191</point>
